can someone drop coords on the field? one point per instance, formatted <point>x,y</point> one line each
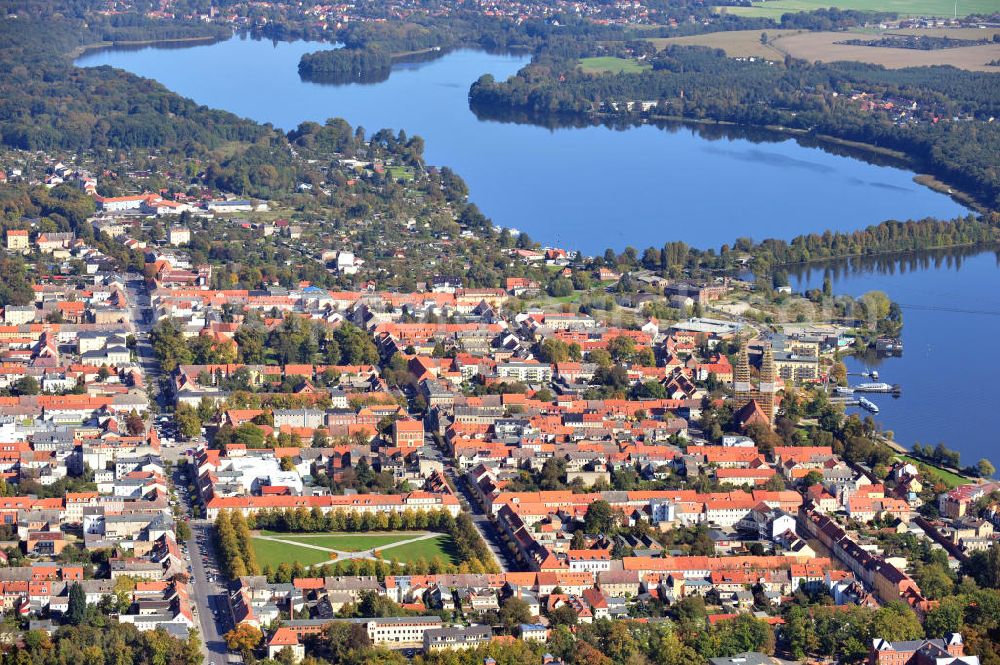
<point>736,43</point>
<point>401,173</point>
<point>271,553</point>
<point>775,8</point>
<point>274,548</point>
<point>822,46</point>
<point>344,542</point>
<point>440,545</point>
<point>607,65</point>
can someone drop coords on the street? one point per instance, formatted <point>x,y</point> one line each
<point>487,530</point>
<point>210,601</point>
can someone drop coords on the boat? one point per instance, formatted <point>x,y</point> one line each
<point>867,404</point>
<point>841,390</point>
<point>877,387</point>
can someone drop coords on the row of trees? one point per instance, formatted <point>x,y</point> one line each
<point>235,549</point>
<point>102,640</point>
<point>468,543</point>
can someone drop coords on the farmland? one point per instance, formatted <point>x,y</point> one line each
<point>736,44</point>
<point>775,8</point>
<point>823,46</point>
<point>609,65</point>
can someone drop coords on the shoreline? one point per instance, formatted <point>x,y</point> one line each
<point>921,177</point>
<point>84,49</point>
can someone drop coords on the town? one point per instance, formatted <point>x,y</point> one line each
<point>447,467</point>
<point>283,394</point>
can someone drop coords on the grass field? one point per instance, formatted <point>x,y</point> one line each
<point>608,65</point>
<point>274,553</point>
<point>270,553</point>
<point>441,545</point>
<point>823,46</point>
<point>345,542</point>
<point>736,43</point>
<point>775,8</point>
<point>401,173</point>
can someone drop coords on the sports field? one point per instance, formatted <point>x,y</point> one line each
<point>273,549</point>
<point>775,8</point>
<point>609,65</point>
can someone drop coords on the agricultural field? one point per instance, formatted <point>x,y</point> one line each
<point>945,8</point>
<point>953,33</point>
<point>609,65</point>
<point>736,43</point>
<point>823,46</point>
<point>273,549</point>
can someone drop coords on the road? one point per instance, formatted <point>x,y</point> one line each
<point>487,529</point>
<point>210,598</point>
<point>210,601</point>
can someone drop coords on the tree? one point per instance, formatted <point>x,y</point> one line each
<point>985,469</point>
<point>134,424</point>
<point>896,622</point>
<point>514,612</point>
<point>564,615</point>
<point>183,531</point>
<point>838,373</point>
<point>984,567</point>
<point>946,618</point>
<point>77,610</point>
<point>26,385</point>
<point>600,518</point>
<point>814,477</point>
<point>169,345</point>
<point>188,423</point>
<point>934,580</point>
<point>243,638</point>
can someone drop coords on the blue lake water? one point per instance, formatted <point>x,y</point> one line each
<point>951,324</point>
<point>594,187</point>
<point>584,188</point>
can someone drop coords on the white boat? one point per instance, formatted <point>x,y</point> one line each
<point>875,388</point>
<point>868,405</point>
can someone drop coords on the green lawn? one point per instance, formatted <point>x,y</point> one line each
<point>440,545</point>
<point>608,65</point>
<point>775,8</point>
<point>274,554</point>
<point>401,172</point>
<point>346,542</point>
<point>947,477</point>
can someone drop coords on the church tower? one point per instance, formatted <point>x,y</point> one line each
<point>741,378</point>
<point>768,384</point>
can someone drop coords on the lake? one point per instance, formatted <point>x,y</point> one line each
<point>583,188</point>
<point>593,187</point>
<point>951,323</point>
